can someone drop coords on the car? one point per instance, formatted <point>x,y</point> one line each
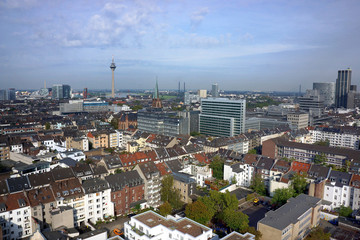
<point>118,232</point>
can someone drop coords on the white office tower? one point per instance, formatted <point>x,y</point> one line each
<point>222,117</point>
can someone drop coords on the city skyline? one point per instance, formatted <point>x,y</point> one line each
<point>251,45</point>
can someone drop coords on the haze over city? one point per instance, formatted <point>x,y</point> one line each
<point>242,45</point>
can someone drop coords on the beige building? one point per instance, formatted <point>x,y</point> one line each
<point>300,120</point>
<point>4,151</point>
<point>185,185</point>
<point>98,139</point>
<point>202,93</point>
<point>293,220</point>
<point>77,143</point>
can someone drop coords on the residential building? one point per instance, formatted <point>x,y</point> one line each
<point>292,221</point>
<point>185,184</point>
<point>222,117</point>
<point>326,91</point>
<point>236,174</point>
<point>149,224</point>
<point>4,151</point>
<point>98,204</point>
<point>347,137</point>
<point>342,88</point>
<point>98,139</point>
<point>152,179</point>
<point>127,189</point>
<point>15,216</point>
<point>298,120</point>
<point>81,143</point>
<point>338,190</point>
<point>280,147</point>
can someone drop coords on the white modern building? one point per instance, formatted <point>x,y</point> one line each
<point>75,154</point>
<point>150,225</point>
<point>222,117</point>
<point>242,173</point>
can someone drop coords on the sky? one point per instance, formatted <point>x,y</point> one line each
<point>260,45</point>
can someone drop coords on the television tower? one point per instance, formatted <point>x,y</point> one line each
<point>112,67</point>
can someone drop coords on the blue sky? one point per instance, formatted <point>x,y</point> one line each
<point>241,45</point>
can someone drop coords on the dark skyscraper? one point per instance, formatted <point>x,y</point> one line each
<point>343,83</point>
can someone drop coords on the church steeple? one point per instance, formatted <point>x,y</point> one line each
<point>156,102</point>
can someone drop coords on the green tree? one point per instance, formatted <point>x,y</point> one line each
<point>258,185</point>
<point>318,234</point>
<point>282,195</point>
<point>323,143</point>
<point>165,209</point>
<point>253,231</point>
<point>118,170</point>
<point>195,134</point>
<point>169,194</point>
<point>115,123</point>
<point>299,184</point>
<point>252,151</point>
<point>217,165</point>
<point>47,126</point>
<point>236,220</point>
<point>345,211</point>
<point>198,212</point>
<point>233,180</point>
<point>137,107</point>
<point>320,159</point>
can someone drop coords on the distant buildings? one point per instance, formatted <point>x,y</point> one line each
<point>60,91</point>
<point>8,94</point>
<point>343,83</point>
<point>298,120</point>
<point>164,123</point>
<point>326,92</point>
<point>222,117</point>
<point>215,90</point>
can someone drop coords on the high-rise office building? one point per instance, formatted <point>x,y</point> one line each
<point>60,91</point>
<point>343,83</point>
<point>215,90</point>
<point>222,117</point>
<point>326,92</point>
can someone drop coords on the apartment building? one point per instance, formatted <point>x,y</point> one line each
<point>98,139</point>
<point>185,184</point>
<point>4,151</point>
<point>236,172</point>
<point>98,205</point>
<point>15,216</point>
<point>81,143</point>
<point>338,190</point>
<point>113,139</point>
<point>149,224</point>
<point>293,220</point>
<point>280,147</point>
<point>152,179</point>
<point>127,189</point>
<point>347,137</point>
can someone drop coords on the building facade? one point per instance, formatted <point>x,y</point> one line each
<point>222,117</point>
<point>326,91</point>
<point>342,89</point>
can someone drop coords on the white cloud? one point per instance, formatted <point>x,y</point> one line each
<point>18,3</point>
<point>198,16</point>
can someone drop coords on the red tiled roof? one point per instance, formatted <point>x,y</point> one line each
<point>355,181</point>
<point>12,201</point>
<point>201,157</point>
<point>163,169</point>
<point>300,167</point>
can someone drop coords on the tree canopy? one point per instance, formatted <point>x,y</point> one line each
<point>198,212</point>
<point>345,211</point>
<point>282,195</point>
<point>318,234</point>
<point>236,220</point>
<point>258,185</point>
<point>320,159</point>
<point>299,184</point>
<point>217,165</point>
<point>169,194</point>
<point>165,209</point>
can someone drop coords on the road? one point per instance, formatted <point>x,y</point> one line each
<point>255,213</point>
<point>118,223</point>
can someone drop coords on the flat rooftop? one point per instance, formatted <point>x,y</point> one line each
<point>183,225</point>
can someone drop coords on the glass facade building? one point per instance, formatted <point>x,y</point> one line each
<point>343,83</point>
<point>221,117</point>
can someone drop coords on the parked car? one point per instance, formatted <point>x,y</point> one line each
<point>118,232</point>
